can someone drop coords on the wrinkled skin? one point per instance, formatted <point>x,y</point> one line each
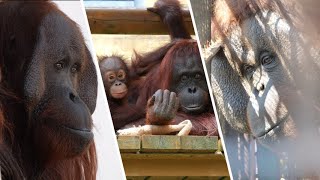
<point>162,107</point>
<point>264,79</point>
<point>189,82</point>
<point>271,70</point>
<point>56,75</point>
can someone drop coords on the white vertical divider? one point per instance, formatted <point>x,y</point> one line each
<point>210,88</point>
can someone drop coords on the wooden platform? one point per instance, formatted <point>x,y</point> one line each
<point>129,21</point>
<point>172,156</point>
<point>178,178</point>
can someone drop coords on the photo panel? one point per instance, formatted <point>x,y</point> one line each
<point>156,89</point>
<point>54,122</point>
<point>262,58</point>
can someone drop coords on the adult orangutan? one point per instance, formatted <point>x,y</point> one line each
<point>48,93</point>
<point>174,87</point>
<point>264,75</point>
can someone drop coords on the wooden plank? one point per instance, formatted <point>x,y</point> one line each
<point>173,156</point>
<point>220,147</point>
<point>129,143</point>
<point>129,21</point>
<point>206,178</point>
<point>167,164</point>
<point>137,178</point>
<point>162,143</point>
<point>199,143</point>
<point>176,178</point>
<point>136,3</point>
<point>168,143</point>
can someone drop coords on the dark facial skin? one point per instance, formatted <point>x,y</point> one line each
<point>274,77</point>
<point>188,92</point>
<point>114,73</point>
<point>60,90</point>
<point>190,85</point>
<point>264,79</point>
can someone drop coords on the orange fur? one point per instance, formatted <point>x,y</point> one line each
<point>228,14</point>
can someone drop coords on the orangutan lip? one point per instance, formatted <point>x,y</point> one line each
<point>193,107</point>
<point>85,130</point>
<point>120,92</point>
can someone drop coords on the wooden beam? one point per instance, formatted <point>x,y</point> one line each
<point>200,144</point>
<point>162,143</point>
<point>177,178</point>
<point>174,164</point>
<point>129,21</point>
<point>168,143</point>
<point>164,155</point>
<point>129,143</point>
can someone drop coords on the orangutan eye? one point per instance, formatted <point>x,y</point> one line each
<point>59,66</point>
<point>111,77</point>
<point>75,68</point>
<point>121,75</point>
<point>184,78</point>
<point>248,68</point>
<point>197,76</point>
<point>266,59</point>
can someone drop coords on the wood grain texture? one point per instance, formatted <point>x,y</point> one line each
<point>165,164</point>
<point>199,143</point>
<point>163,143</point>
<point>168,143</point>
<point>129,21</point>
<point>129,143</point>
